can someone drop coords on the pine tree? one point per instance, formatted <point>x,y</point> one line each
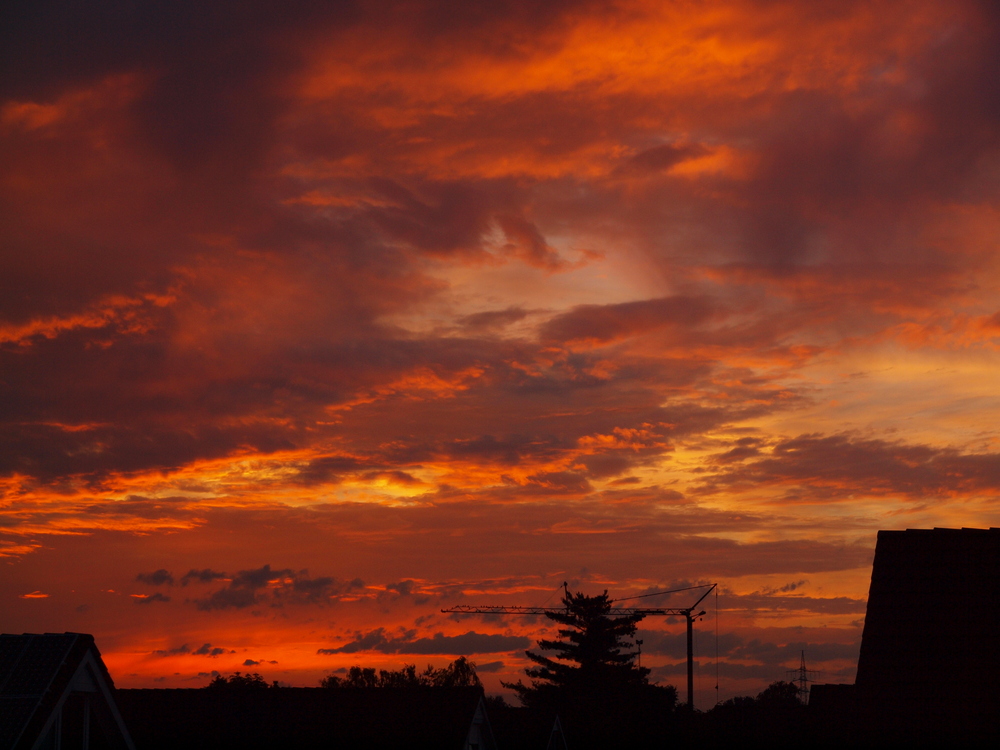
<point>592,657</point>
<point>603,698</point>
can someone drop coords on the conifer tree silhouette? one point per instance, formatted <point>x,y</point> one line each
<point>594,655</point>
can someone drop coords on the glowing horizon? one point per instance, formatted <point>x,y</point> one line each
<point>316,321</point>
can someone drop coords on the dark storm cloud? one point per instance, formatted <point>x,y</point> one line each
<point>264,586</point>
<point>755,650</point>
<point>209,88</point>
<point>328,468</point>
<point>608,465</point>
<point>604,323</point>
<point>663,157</point>
<point>380,641</point>
<point>834,466</point>
<point>109,428</point>
<point>654,531</point>
<point>560,481</point>
<point>908,149</point>
<point>772,602</point>
<point>228,598</point>
<point>211,98</point>
<point>743,449</point>
<point>474,264</point>
<point>452,217</point>
<point>507,450</point>
<point>95,427</point>
<point>491,319</point>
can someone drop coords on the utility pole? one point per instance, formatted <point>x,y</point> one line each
<point>688,613</point>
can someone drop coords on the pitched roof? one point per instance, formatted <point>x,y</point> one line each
<point>930,652</point>
<point>933,611</point>
<point>39,674</point>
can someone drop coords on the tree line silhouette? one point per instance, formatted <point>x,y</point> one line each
<point>460,673</point>
<point>594,685</point>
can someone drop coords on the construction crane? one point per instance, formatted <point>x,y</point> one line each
<point>688,613</point>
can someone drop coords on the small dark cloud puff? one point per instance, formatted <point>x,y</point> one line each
<point>403,588</point>
<point>489,666</point>
<point>156,578</point>
<point>205,575</point>
<point>157,597</point>
<point>206,649</point>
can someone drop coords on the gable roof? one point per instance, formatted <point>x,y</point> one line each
<point>40,674</point>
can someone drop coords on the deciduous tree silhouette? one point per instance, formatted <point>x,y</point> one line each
<point>776,717</point>
<point>460,673</point>
<point>238,681</point>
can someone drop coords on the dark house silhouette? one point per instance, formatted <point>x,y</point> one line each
<point>929,667</point>
<point>376,718</point>
<point>55,692</point>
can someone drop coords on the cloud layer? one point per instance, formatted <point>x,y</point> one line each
<point>439,302</point>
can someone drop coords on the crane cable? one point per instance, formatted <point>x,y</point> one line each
<point>661,593</point>
<point>550,596</point>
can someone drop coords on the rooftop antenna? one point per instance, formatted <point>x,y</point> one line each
<point>801,679</point>
<point>688,613</point>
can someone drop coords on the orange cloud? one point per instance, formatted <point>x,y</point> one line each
<point>335,319</point>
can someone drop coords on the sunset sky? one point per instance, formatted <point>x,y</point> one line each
<point>317,318</point>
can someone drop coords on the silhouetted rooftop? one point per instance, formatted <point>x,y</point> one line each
<point>48,683</point>
<point>930,652</point>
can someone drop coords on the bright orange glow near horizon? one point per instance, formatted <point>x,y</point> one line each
<point>318,320</point>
